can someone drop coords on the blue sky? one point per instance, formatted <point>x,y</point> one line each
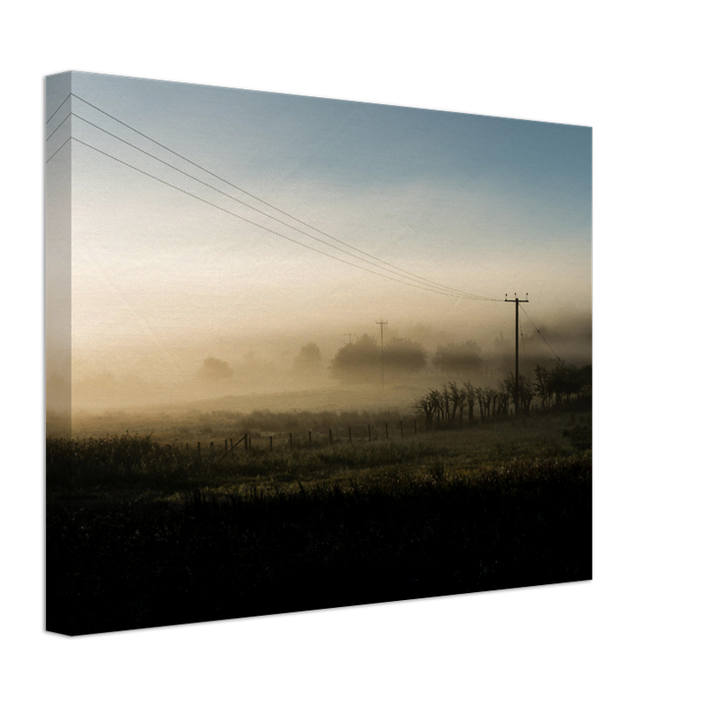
<point>486,205</point>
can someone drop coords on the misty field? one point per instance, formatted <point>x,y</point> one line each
<point>148,530</point>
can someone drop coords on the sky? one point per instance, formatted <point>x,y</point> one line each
<point>162,262</point>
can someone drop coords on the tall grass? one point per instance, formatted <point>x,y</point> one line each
<point>143,533</point>
<point>127,463</point>
<point>137,464</point>
<point>129,565</point>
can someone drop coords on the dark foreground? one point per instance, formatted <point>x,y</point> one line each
<point>118,565</point>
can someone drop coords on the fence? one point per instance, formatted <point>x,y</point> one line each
<point>290,440</point>
<point>351,435</point>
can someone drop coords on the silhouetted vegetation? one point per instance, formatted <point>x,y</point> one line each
<point>403,356</point>
<point>147,531</point>
<point>446,405</point>
<point>357,361</point>
<point>308,360</point>
<point>362,361</point>
<point>141,534</point>
<point>458,359</point>
<point>214,369</point>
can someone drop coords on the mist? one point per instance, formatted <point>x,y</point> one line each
<point>292,370</point>
<point>167,290</point>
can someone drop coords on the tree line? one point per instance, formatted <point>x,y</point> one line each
<point>362,359</point>
<point>556,386</point>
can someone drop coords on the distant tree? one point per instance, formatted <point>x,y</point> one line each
<point>425,406</point>
<point>584,381</point>
<point>432,405</point>
<point>488,400</point>
<point>308,359</point>
<point>561,382</point>
<point>214,369</point>
<point>460,359</point>
<point>457,397</point>
<point>542,385</point>
<point>404,356</point>
<point>436,404</point>
<point>564,381</point>
<point>525,390</point>
<point>470,397</point>
<point>358,361</point>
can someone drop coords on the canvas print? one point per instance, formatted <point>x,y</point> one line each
<point>305,353</point>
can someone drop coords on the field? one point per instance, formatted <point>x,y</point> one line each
<point>145,530</point>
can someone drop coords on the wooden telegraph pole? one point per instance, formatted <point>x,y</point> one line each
<point>517,350</point>
<point>382,355</point>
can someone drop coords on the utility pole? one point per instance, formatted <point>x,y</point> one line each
<point>517,349</point>
<point>382,354</point>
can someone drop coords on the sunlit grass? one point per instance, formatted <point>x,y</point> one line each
<point>141,533</point>
<point>138,465</point>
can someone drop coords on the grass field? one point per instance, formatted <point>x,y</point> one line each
<point>146,532</point>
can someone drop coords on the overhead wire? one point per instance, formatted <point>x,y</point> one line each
<point>539,332</point>
<point>60,124</point>
<point>59,148</point>
<point>59,107</point>
<point>396,270</point>
<point>415,278</point>
<point>277,233</point>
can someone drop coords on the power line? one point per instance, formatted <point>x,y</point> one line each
<point>265,228</point>
<point>417,278</point>
<point>59,125</point>
<point>539,332</point>
<point>59,107</point>
<point>59,148</point>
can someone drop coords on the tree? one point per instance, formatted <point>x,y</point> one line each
<point>563,381</point>
<point>542,385</point>
<point>525,391</point>
<point>460,359</point>
<point>470,397</point>
<point>357,362</point>
<point>584,381</point>
<point>404,356</point>
<point>457,396</point>
<point>308,360</point>
<point>425,406</point>
<point>215,369</point>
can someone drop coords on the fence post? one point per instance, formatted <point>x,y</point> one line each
<point>271,443</point>
<point>225,447</point>
<point>245,441</point>
<point>387,436</point>
<point>291,440</point>
<point>330,435</point>
<point>249,441</point>
<point>309,439</point>
<point>212,449</point>
<point>198,450</point>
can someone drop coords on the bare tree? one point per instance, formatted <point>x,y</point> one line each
<point>524,391</point>
<point>470,397</point>
<point>542,385</point>
<point>457,397</point>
